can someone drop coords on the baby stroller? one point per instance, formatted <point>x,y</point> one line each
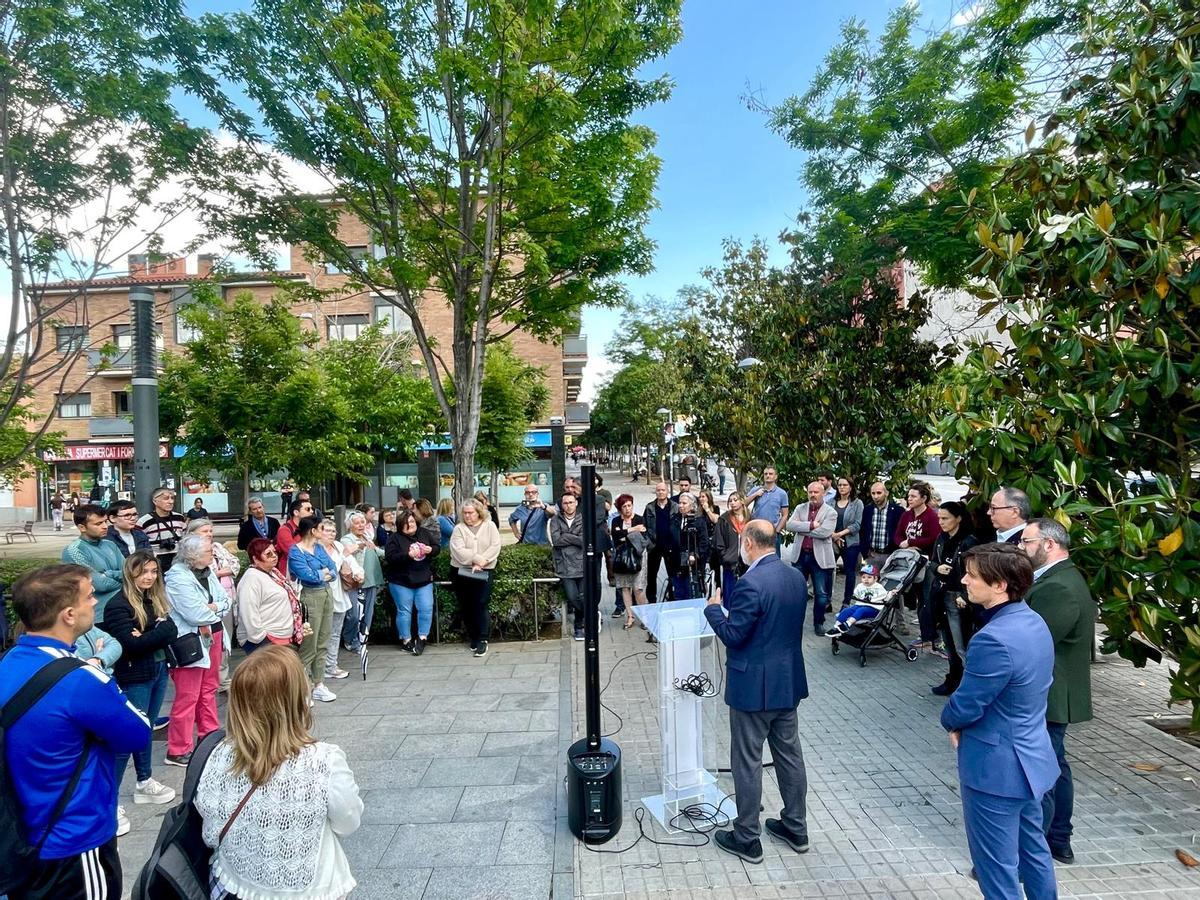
<point>901,572</point>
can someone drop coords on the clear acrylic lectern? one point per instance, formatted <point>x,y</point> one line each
<point>680,627</point>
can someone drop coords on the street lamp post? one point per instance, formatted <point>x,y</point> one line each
<point>669,443</point>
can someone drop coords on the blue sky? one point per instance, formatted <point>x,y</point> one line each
<point>724,173</point>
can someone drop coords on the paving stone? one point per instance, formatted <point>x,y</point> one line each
<point>443,844</point>
<point>516,802</point>
<point>466,771</point>
<point>489,883</point>
<point>409,807</point>
<point>509,743</point>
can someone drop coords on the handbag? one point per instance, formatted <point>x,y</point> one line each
<point>184,650</point>
<point>626,559</point>
<point>468,572</point>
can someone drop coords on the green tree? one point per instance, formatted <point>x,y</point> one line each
<point>389,403</point>
<point>625,412</point>
<point>514,397</point>
<point>836,373</point>
<point>1100,377</point>
<point>246,398</point>
<point>487,149</point>
<point>88,136</point>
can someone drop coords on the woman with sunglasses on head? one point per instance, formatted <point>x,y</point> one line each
<point>268,607</point>
<point>849,511</point>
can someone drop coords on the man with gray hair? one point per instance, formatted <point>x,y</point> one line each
<point>1061,597</point>
<point>1009,511</point>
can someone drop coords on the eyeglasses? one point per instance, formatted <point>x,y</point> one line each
<point>127,515</point>
<point>1035,540</point>
<point>992,508</point>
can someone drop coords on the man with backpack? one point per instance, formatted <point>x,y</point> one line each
<point>62,723</point>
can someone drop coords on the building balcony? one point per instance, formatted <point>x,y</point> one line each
<point>110,426</point>
<point>575,347</point>
<point>120,363</point>
<point>578,414</point>
<point>573,368</point>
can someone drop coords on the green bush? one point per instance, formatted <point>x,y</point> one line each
<point>511,604</point>
<point>10,571</point>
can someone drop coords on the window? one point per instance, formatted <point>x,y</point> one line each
<point>123,337</point>
<point>181,299</point>
<point>74,406</point>
<point>393,319</point>
<point>70,338</point>
<point>347,328</point>
<point>121,403</point>
<point>356,252</point>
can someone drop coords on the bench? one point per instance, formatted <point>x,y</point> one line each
<point>24,531</point>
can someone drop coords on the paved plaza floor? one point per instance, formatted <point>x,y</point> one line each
<point>461,763</point>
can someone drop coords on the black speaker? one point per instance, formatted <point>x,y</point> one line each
<point>594,762</point>
<point>594,791</point>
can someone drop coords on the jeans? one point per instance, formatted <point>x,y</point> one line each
<point>405,598</point>
<point>195,703</point>
<point>1058,803</point>
<point>850,555</point>
<point>362,613</point>
<point>822,585</point>
<point>148,697</point>
<point>720,484</point>
<point>573,591</point>
<point>335,639</point>
<point>728,580</point>
<point>954,635</point>
<point>856,611</point>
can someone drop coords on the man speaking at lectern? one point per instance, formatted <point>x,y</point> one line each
<point>764,682</point>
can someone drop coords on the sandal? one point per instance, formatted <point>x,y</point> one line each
<point>629,623</point>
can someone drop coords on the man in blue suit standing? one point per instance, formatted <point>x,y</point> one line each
<point>997,720</point>
<point>764,683</point>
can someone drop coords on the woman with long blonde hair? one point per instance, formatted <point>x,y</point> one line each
<point>275,801</point>
<point>139,619</point>
<point>727,537</point>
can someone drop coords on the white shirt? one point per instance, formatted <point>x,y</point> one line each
<point>284,845</point>
<point>1002,536</point>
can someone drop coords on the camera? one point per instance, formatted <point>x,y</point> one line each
<point>167,546</point>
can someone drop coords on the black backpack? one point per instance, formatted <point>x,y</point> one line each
<point>17,855</point>
<point>178,867</point>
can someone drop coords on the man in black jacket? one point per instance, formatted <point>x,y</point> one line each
<point>123,530</point>
<point>257,524</point>
<point>663,549</point>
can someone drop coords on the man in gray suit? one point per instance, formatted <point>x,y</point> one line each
<point>813,523</point>
<point>764,684</point>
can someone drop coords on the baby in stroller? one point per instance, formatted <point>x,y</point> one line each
<point>870,597</point>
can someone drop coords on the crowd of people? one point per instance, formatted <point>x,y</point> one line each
<point>141,601</point>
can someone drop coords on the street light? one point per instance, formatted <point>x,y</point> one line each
<point>669,441</point>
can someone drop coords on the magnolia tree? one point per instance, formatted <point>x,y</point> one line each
<point>1093,404</point>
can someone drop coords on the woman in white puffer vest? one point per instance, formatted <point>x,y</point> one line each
<point>275,801</point>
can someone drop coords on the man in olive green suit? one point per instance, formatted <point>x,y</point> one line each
<point>1061,597</point>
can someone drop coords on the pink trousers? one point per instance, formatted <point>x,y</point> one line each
<point>195,704</point>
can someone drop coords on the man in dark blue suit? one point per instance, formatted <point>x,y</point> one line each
<point>764,683</point>
<point>997,720</point>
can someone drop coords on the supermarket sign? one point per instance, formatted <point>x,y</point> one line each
<point>97,452</point>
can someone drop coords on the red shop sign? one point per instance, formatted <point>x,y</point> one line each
<point>97,452</point>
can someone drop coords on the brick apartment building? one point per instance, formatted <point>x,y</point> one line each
<point>92,409</point>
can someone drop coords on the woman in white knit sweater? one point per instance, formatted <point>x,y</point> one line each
<point>274,800</point>
<point>474,549</point>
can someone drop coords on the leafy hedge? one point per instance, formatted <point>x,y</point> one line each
<point>511,605</point>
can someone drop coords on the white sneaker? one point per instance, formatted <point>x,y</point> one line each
<point>337,673</point>
<point>151,791</point>
<point>123,825</point>
<point>324,694</point>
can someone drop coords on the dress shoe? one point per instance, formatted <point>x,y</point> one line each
<point>779,831</point>
<point>1062,853</point>
<point>750,851</point>
<point>945,689</point>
